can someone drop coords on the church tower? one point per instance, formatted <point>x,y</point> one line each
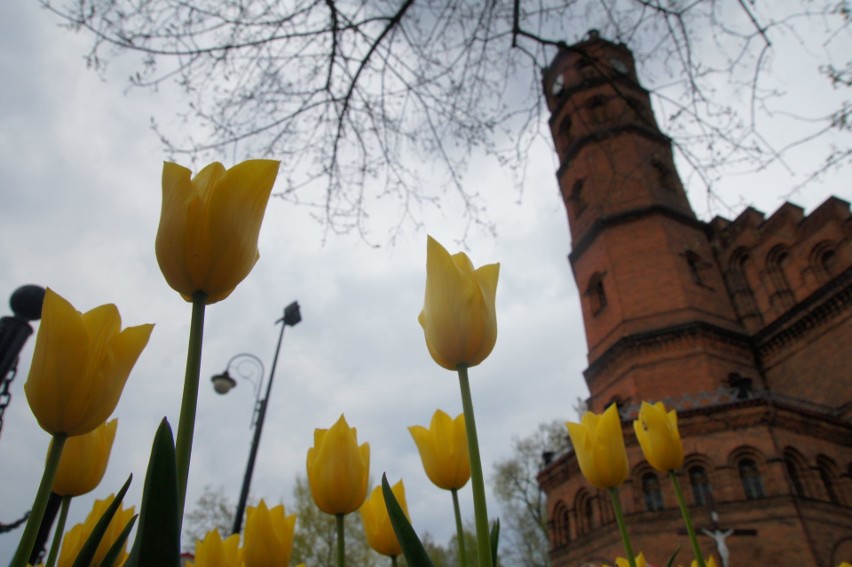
<point>728,322</point>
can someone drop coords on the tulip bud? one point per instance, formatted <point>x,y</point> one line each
<point>659,437</point>
<point>213,551</point>
<point>84,460</point>
<point>458,318</point>
<point>377,524</point>
<point>599,445</point>
<point>209,225</point>
<point>268,536</point>
<point>338,469</point>
<point>80,365</point>
<point>443,450</point>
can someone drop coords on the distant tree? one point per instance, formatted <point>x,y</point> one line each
<point>524,537</point>
<point>383,103</point>
<point>212,510</point>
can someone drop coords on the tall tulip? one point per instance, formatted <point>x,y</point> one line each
<point>84,461</point>
<point>458,318</point>
<point>599,445</point>
<point>459,323</point>
<point>659,437</point>
<point>443,450</point>
<point>338,469</point>
<point>338,472</point>
<point>74,539</point>
<point>268,536</point>
<point>209,225</point>
<point>213,551</point>
<point>377,524</point>
<point>207,244</point>
<point>81,362</point>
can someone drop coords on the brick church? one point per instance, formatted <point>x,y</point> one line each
<point>744,326</point>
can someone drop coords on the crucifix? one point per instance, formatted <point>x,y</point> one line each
<point>719,535</point>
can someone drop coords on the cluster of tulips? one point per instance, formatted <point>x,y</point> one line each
<point>599,446</point>
<point>206,245</point>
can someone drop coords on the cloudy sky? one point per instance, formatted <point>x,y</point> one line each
<point>79,175</point>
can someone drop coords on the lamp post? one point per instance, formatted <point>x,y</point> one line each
<point>223,383</point>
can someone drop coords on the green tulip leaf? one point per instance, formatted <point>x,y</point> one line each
<point>412,548</point>
<point>87,552</point>
<point>672,558</point>
<point>118,546</point>
<point>158,538</point>
<point>495,540</point>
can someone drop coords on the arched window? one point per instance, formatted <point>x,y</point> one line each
<point>751,479</point>
<point>577,198</point>
<point>561,525</point>
<point>777,262</point>
<point>596,293</point>
<point>585,512</point>
<point>827,476</point>
<point>664,176</point>
<point>693,261</point>
<point>587,70</point>
<point>824,261</point>
<point>651,491</point>
<point>700,484</point>
<point>738,284</point>
<point>597,109</point>
<point>794,475</point>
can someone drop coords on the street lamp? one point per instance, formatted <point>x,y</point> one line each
<point>223,383</point>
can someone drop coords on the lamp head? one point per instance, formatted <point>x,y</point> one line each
<point>223,383</point>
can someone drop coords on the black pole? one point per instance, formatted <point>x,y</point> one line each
<point>258,429</point>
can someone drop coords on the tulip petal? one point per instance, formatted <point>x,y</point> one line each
<point>172,234</point>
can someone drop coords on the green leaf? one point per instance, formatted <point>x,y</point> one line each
<point>495,540</point>
<point>118,546</point>
<point>412,548</point>
<point>158,538</point>
<point>672,558</point>
<point>87,552</point>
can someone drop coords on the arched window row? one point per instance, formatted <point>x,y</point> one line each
<point>596,293</point>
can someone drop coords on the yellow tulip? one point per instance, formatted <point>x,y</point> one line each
<point>338,469</point>
<point>209,225</point>
<point>74,539</point>
<point>622,562</point>
<point>659,437</point>
<point>377,524</point>
<point>84,461</point>
<point>215,552</point>
<point>80,365</point>
<point>458,318</point>
<point>268,536</point>
<point>599,446</point>
<point>711,562</point>
<point>443,450</point>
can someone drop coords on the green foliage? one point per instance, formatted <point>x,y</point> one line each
<point>87,552</point>
<point>415,554</point>
<point>522,503</point>
<point>213,511</point>
<point>158,537</point>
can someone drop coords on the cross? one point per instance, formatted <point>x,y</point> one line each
<point>719,535</point>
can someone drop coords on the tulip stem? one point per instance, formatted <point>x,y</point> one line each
<point>687,519</point>
<point>25,547</point>
<point>189,402</point>
<point>60,528</point>
<point>393,560</point>
<point>341,541</point>
<point>459,529</point>
<point>483,537</point>
<point>622,526</point>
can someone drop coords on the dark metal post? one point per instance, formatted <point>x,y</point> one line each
<point>291,317</point>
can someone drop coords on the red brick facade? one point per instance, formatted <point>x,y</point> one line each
<point>743,326</point>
